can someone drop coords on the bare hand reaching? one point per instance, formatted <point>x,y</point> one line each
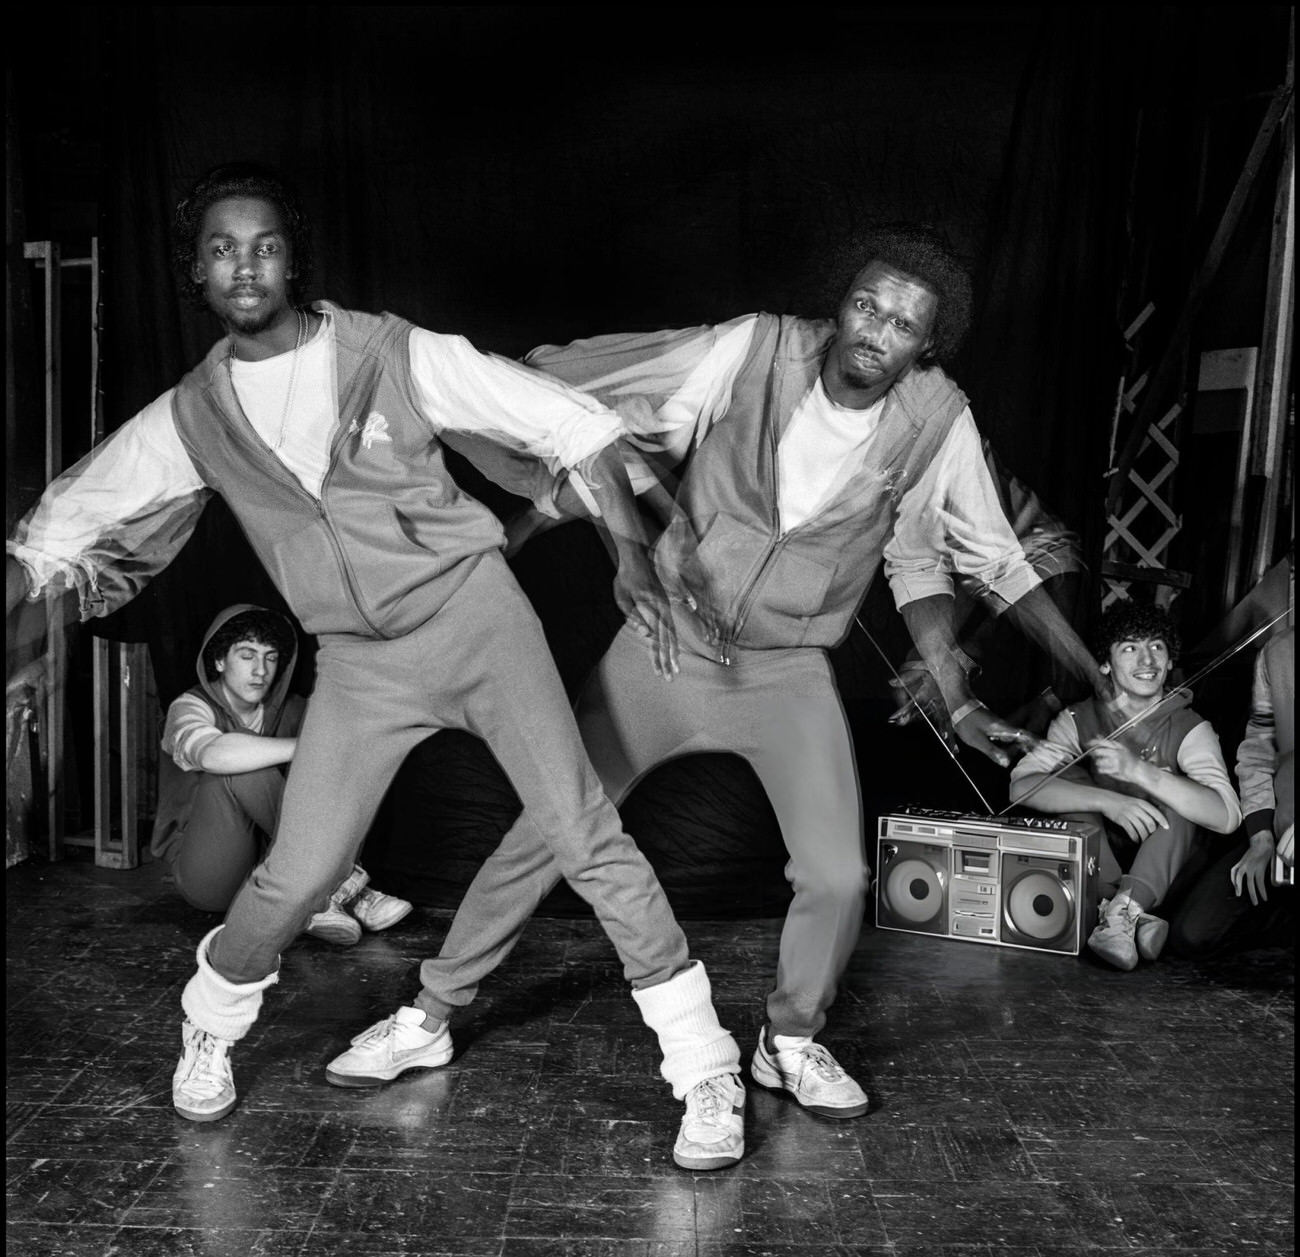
<point>988,734</point>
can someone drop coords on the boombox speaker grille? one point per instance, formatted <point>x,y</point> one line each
<point>913,886</point>
<point>1039,903</point>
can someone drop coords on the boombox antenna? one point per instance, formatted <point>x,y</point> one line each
<point>1142,715</point>
<point>943,742</point>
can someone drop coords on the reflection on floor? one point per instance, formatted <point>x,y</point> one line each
<point>1022,1104</point>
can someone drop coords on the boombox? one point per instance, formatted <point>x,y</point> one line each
<point>1015,881</point>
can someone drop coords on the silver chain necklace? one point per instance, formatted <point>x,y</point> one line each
<point>293,375</point>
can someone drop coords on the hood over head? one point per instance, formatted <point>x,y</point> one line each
<point>275,697</point>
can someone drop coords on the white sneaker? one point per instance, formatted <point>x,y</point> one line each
<point>1152,934</point>
<point>377,911</point>
<point>203,1088</point>
<point>1114,936</point>
<point>712,1133</point>
<point>334,925</point>
<point>390,1047</point>
<point>812,1075</point>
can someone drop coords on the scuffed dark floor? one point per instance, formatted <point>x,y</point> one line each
<point>1021,1104</point>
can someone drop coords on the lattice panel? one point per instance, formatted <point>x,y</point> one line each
<point>1146,524</point>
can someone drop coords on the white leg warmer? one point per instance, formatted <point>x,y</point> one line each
<point>695,1047</point>
<point>224,1009</point>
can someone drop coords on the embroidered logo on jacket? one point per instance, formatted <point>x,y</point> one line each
<point>375,431</point>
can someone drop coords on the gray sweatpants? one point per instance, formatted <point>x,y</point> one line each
<point>228,833</point>
<point>780,711</point>
<point>481,664</point>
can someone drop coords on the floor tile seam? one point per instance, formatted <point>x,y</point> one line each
<point>510,1195</point>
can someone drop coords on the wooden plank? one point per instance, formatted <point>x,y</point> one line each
<point>1146,575</point>
<point>96,387</point>
<point>56,641</point>
<point>1274,377</point>
<point>102,680</point>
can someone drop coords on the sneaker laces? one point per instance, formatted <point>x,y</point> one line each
<point>712,1098</point>
<point>205,1077</point>
<point>820,1061</point>
<point>376,1034</point>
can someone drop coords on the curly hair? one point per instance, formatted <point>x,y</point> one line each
<point>242,179</point>
<point>1135,622</point>
<point>925,255</point>
<point>266,628</point>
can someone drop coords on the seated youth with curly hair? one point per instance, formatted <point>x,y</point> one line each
<point>1152,787</point>
<point>227,744</point>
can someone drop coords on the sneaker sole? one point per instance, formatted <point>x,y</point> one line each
<point>1123,964</point>
<point>772,1082</point>
<point>389,922</point>
<point>707,1163</point>
<point>193,1115</point>
<point>339,937</point>
<point>379,1078</point>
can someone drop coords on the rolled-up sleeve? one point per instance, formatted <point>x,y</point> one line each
<point>129,504</point>
<point>189,730</point>
<point>1201,758</point>
<point>463,390</point>
<point>950,523</point>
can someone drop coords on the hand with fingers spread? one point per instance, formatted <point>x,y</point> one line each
<point>645,606</point>
<point>1251,872</point>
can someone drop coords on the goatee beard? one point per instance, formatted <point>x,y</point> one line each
<point>252,322</point>
<point>856,380</point>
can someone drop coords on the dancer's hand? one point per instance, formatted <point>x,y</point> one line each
<point>645,606</point>
<point>988,734</point>
<point>918,697</point>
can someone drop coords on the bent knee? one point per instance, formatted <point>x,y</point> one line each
<point>846,884</point>
<point>206,899</point>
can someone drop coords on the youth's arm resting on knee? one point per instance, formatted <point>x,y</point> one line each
<point>233,753</point>
<point>1198,789</point>
<point>1138,818</point>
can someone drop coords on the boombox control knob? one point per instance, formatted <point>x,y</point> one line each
<point>888,850</point>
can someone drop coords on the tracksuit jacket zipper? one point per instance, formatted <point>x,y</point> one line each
<point>283,472</point>
<point>749,595</point>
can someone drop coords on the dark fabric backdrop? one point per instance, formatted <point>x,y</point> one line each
<point>531,175</point>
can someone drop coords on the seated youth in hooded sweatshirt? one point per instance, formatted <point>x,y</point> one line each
<point>227,744</point>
